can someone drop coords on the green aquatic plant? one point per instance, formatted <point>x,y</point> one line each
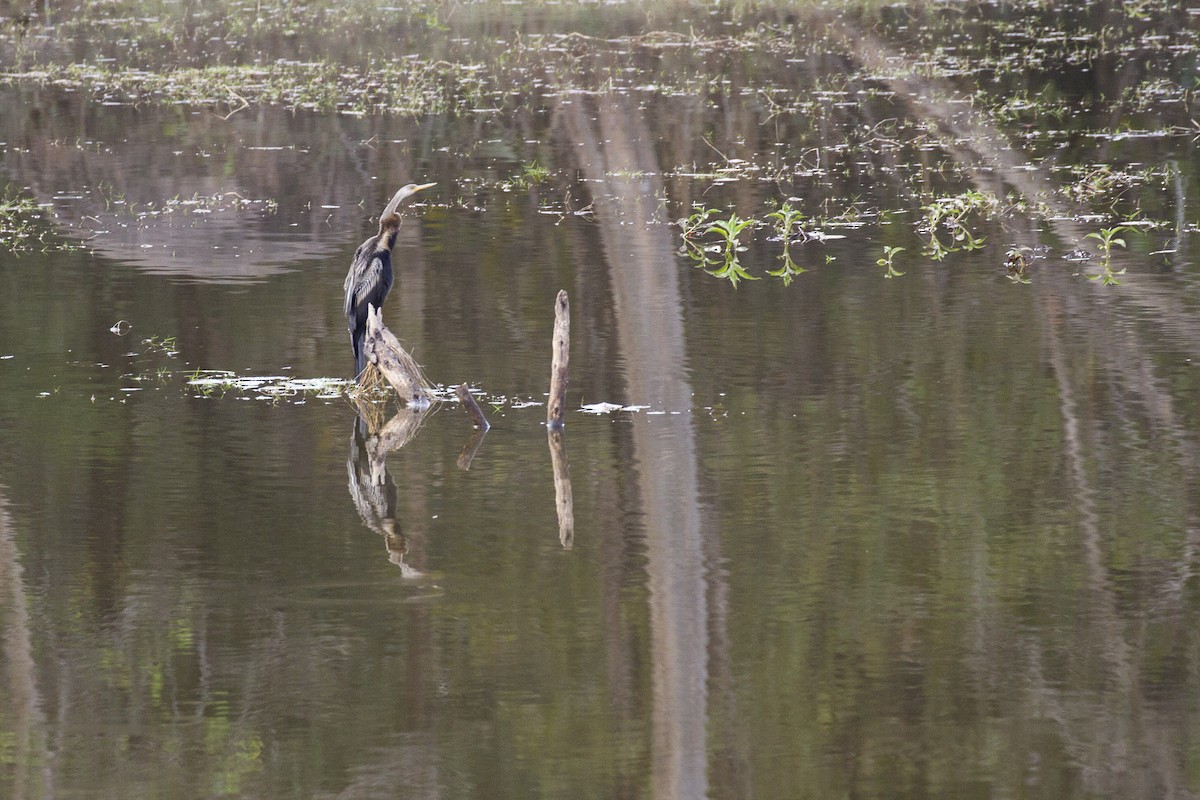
<point>889,253</point>
<point>692,230</point>
<point>694,225</point>
<point>732,271</point>
<point>1016,266</point>
<point>730,231</point>
<point>161,344</point>
<point>1097,183</point>
<point>23,225</point>
<point>786,221</point>
<point>1108,238</point>
<point>531,174</point>
<point>950,216</point>
<point>789,270</point>
<point>719,258</point>
<point>16,215</point>
<point>535,172</point>
<point>414,86</point>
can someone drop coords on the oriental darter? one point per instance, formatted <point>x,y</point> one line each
<point>370,277</point>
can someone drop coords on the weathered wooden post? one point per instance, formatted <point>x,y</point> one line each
<point>481,426</point>
<point>463,392</point>
<point>555,409</point>
<point>556,406</point>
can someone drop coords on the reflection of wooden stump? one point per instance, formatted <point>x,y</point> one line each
<point>398,431</point>
<point>371,486</point>
<point>383,350</point>
<point>372,412</point>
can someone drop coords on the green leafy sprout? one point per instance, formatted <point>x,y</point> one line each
<point>889,253</point>
<point>1108,238</point>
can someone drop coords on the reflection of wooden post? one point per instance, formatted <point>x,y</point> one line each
<point>558,365</point>
<point>481,427</point>
<point>469,450</point>
<point>383,350</point>
<point>563,501</point>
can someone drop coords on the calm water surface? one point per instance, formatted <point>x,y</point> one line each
<point>934,536</point>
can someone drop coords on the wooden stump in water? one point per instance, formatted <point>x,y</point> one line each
<point>481,426</point>
<point>383,350</point>
<point>556,406</point>
<point>555,410</point>
<point>463,392</point>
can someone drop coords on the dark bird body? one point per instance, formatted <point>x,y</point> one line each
<point>370,277</point>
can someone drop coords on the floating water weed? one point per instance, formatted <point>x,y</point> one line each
<point>400,86</point>
<point>531,174</point>
<point>23,225</point>
<point>217,382</point>
<point>164,345</point>
<point>534,172</point>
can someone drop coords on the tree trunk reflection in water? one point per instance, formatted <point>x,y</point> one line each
<point>612,140</point>
<point>24,706</point>
<point>1107,732</point>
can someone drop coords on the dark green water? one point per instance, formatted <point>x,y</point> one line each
<point>933,536</point>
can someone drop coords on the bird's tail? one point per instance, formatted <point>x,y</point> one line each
<point>360,357</point>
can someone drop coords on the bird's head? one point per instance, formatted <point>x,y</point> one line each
<point>389,217</point>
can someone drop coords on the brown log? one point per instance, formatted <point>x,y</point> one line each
<point>556,406</point>
<point>383,350</point>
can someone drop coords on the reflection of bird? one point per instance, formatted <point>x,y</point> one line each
<point>372,488</point>
<point>370,277</point>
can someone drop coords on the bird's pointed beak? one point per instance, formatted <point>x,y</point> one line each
<point>403,193</point>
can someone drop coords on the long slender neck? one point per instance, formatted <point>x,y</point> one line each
<point>389,226</point>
